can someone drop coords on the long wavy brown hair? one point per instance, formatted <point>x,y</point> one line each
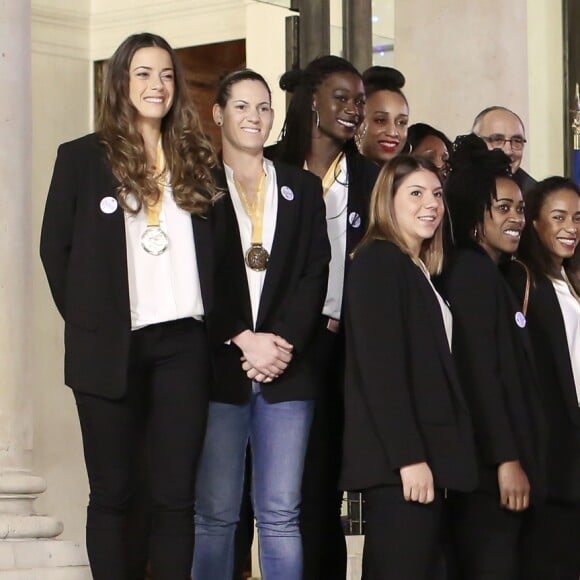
<point>189,155</point>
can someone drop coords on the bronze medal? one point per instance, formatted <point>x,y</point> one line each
<point>257,257</point>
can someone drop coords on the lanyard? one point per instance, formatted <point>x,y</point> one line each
<point>255,210</point>
<point>154,211</point>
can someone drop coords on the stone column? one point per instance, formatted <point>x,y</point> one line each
<point>314,29</point>
<point>27,546</point>
<point>357,32</point>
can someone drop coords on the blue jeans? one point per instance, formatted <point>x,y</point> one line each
<point>278,434</point>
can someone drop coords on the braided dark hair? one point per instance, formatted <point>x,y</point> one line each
<point>471,185</point>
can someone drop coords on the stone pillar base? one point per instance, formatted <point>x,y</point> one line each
<point>43,560</point>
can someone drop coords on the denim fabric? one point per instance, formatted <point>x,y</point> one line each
<point>278,435</point>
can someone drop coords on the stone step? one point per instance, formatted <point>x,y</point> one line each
<point>30,555</point>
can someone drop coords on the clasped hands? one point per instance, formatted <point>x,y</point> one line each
<point>265,356</point>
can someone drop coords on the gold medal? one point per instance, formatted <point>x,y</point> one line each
<point>257,257</point>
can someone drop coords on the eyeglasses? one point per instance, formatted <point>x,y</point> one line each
<point>498,141</point>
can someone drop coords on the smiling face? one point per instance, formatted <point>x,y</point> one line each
<point>151,85</point>
<point>339,100</point>
<point>501,123</point>
<point>387,118</point>
<point>503,223</point>
<point>558,224</point>
<point>247,118</point>
<point>418,208</point>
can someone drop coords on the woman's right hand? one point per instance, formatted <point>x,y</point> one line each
<point>514,487</point>
<point>265,353</point>
<point>418,482</point>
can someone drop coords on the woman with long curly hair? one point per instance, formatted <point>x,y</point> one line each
<point>126,246</point>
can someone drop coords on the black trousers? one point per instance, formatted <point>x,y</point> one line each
<point>550,545</point>
<point>403,540</point>
<point>163,415</point>
<point>323,541</point>
<point>483,538</point>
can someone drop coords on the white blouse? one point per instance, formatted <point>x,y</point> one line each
<point>336,201</point>
<point>164,287</point>
<point>255,278</point>
<point>445,311</point>
<point>570,307</point>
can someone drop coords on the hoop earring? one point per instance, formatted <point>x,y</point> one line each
<point>476,234</point>
<point>317,118</point>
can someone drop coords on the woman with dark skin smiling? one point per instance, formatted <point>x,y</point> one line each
<point>326,108</point>
<point>495,363</point>
<point>383,134</point>
<point>550,238</point>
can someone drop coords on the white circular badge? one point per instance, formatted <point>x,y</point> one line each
<point>520,319</point>
<point>108,204</point>
<point>287,193</point>
<point>354,220</point>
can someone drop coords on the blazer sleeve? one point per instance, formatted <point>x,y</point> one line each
<point>300,317</point>
<point>57,225</point>
<point>226,320</point>
<point>473,295</point>
<point>378,346</point>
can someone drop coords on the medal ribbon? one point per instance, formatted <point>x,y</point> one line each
<point>330,175</point>
<point>154,211</point>
<point>255,210</point>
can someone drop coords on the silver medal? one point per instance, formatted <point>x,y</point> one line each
<point>154,240</point>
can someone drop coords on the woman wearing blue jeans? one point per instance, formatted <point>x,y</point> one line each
<point>272,253</point>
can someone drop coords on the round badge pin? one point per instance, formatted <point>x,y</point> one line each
<point>520,319</point>
<point>108,204</point>
<point>287,193</point>
<point>354,220</point>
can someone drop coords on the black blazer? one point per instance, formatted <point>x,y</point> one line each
<point>496,368</point>
<point>83,252</point>
<point>557,387</point>
<point>362,174</point>
<point>403,402</point>
<point>293,292</point>
<point>524,180</point>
